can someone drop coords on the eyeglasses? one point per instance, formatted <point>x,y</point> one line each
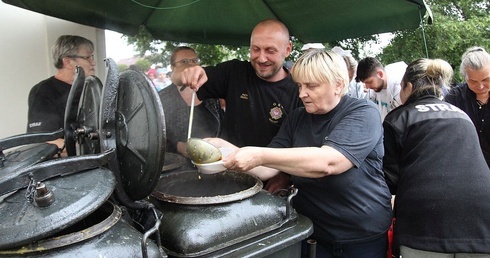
<point>89,58</point>
<point>188,61</point>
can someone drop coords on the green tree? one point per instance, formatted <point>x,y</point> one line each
<point>143,64</point>
<point>160,51</point>
<point>457,26</point>
<point>356,45</point>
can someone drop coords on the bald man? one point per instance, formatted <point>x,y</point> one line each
<point>259,93</point>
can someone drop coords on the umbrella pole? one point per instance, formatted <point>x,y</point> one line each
<point>423,34</point>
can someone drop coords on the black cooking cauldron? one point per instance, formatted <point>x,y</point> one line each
<point>226,214</point>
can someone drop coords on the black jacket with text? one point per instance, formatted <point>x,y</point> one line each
<point>434,165</point>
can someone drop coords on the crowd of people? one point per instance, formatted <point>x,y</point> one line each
<point>348,135</point>
<point>159,76</point>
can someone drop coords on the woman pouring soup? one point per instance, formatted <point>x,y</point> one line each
<point>333,150</point>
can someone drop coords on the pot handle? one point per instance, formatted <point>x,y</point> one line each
<point>154,229</point>
<point>293,191</point>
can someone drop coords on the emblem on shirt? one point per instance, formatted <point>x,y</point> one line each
<point>275,113</point>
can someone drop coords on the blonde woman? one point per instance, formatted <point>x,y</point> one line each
<point>332,148</point>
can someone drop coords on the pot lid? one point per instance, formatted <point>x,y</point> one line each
<point>35,149</point>
<point>26,155</point>
<point>71,111</point>
<point>75,196</point>
<point>82,115</point>
<point>88,116</point>
<point>132,123</point>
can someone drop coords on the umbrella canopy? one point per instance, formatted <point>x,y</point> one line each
<point>231,21</point>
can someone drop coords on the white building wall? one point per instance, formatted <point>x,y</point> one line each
<point>25,50</point>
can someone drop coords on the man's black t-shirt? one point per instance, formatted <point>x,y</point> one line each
<point>47,103</point>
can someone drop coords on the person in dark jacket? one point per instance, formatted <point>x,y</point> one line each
<point>472,96</point>
<point>434,166</point>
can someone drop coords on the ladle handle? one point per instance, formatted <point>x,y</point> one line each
<point>191,116</point>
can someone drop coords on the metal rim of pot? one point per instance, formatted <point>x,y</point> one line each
<point>167,184</point>
<point>71,238</point>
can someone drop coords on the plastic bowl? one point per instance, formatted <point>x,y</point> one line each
<point>214,167</point>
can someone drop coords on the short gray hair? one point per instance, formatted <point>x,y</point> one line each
<point>68,45</point>
<point>475,58</point>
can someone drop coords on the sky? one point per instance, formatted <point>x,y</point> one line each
<point>116,47</point>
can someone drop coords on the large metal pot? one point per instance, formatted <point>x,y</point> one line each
<point>216,214</point>
<point>60,207</point>
<point>101,234</point>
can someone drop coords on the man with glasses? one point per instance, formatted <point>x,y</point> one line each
<point>176,102</point>
<point>383,83</point>
<point>47,99</point>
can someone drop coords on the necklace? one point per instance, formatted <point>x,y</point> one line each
<point>480,116</point>
<point>481,103</point>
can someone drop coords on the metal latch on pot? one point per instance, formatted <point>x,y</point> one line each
<point>39,194</point>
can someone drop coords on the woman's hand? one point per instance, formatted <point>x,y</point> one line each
<point>244,159</point>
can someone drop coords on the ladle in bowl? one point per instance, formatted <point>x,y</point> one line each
<point>202,152</point>
<point>198,150</point>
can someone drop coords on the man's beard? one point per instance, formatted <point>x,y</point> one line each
<point>269,74</point>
